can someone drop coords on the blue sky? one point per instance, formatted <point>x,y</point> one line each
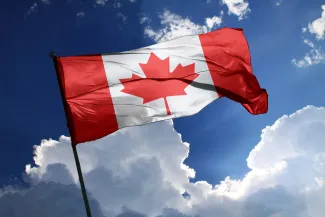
<point>286,41</point>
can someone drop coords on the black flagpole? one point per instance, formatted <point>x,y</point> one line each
<point>74,148</point>
<point>81,180</point>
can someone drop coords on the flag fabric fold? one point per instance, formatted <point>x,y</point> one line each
<point>176,78</point>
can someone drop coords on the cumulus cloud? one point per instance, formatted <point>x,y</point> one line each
<point>173,26</point>
<point>317,27</point>
<point>139,171</point>
<point>286,177</point>
<point>240,8</point>
<point>139,167</point>
<point>48,200</point>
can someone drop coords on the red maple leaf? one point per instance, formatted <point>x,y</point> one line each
<point>159,82</point>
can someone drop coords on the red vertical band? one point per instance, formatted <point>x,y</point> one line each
<point>86,97</point>
<point>227,54</point>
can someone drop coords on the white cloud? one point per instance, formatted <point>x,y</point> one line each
<point>32,9</point>
<point>139,171</point>
<point>317,27</point>
<point>81,14</point>
<point>313,57</point>
<point>309,43</point>
<point>286,177</point>
<point>316,54</point>
<point>35,7</point>
<point>122,16</point>
<point>143,18</point>
<point>240,8</point>
<point>140,168</point>
<point>46,200</point>
<point>173,26</point>
<point>101,2</point>
<point>211,22</point>
<point>46,1</point>
<point>278,2</point>
<point>117,4</point>
<point>293,136</point>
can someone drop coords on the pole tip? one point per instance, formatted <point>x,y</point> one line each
<point>52,54</point>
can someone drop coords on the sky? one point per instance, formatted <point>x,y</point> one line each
<point>228,162</point>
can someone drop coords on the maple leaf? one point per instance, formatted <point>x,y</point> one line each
<point>159,82</point>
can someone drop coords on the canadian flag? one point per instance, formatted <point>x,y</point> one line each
<point>103,93</point>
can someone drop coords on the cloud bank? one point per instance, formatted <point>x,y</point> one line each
<point>139,171</point>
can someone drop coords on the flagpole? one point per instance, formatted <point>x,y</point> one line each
<point>74,148</point>
<point>81,180</point>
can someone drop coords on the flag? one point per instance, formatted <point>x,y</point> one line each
<point>176,78</point>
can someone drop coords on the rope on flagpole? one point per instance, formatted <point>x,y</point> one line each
<point>74,148</point>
